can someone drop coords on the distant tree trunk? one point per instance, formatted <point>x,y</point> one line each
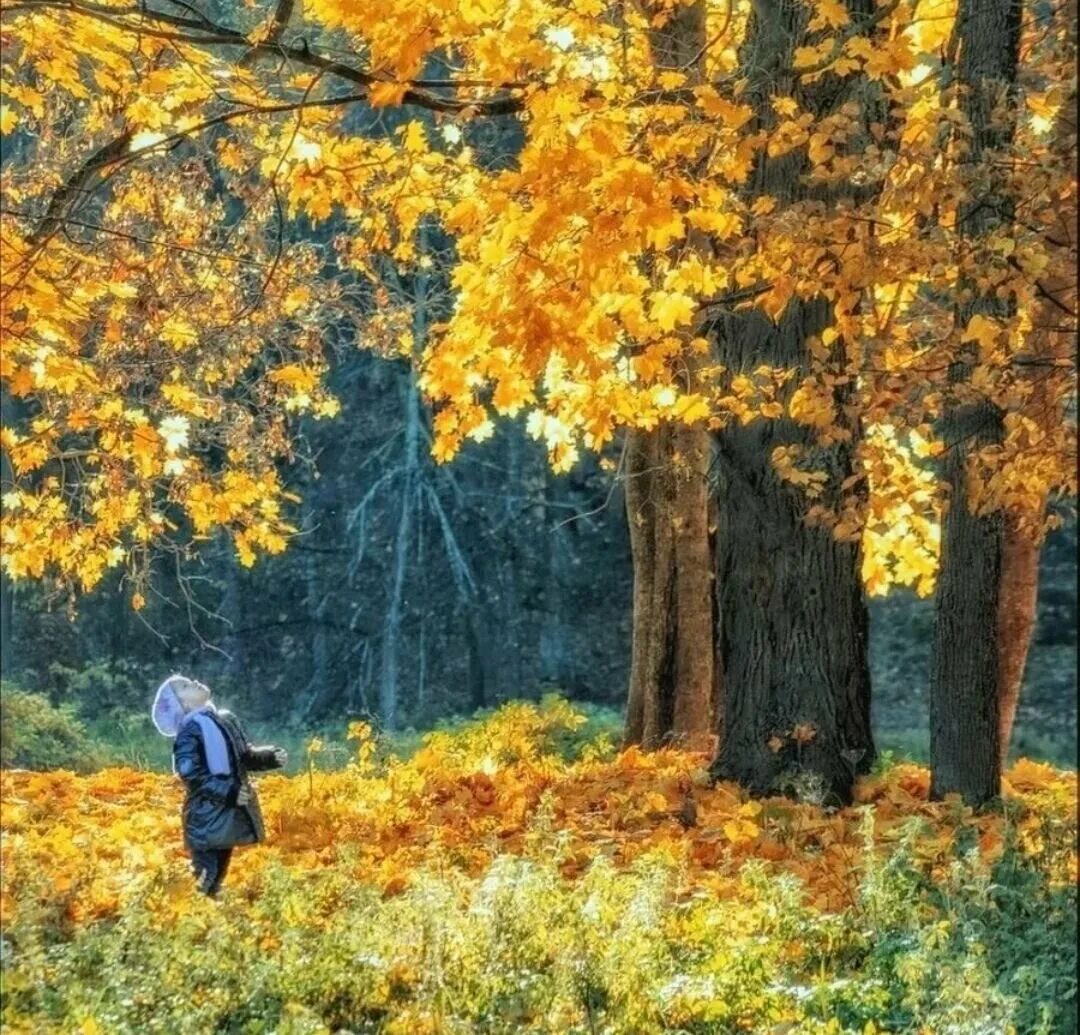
<point>318,688</point>
<point>8,406</point>
<point>672,665</point>
<point>793,616</point>
<point>389,676</point>
<point>7,617</point>
<point>410,489</point>
<point>477,664</point>
<point>232,610</point>
<point>673,676</point>
<point>965,669</point>
<point>554,632</point>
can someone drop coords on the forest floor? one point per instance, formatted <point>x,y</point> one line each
<point>515,876</point>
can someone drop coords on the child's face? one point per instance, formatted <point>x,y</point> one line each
<point>191,695</point>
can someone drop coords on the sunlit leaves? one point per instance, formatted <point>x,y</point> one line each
<point>585,270</point>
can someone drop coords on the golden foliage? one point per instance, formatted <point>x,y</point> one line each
<point>161,326</point>
<point>465,798</point>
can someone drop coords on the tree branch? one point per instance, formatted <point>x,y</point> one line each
<point>203,32</point>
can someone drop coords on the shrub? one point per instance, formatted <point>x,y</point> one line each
<point>36,735</point>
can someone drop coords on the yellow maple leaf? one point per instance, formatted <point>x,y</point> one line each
<point>671,308</point>
<point>983,330</point>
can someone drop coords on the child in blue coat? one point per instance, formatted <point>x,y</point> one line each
<point>213,757</point>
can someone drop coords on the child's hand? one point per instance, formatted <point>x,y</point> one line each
<point>281,756</point>
<point>243,797</point>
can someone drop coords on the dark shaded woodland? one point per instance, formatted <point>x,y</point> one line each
<point>508,580</point>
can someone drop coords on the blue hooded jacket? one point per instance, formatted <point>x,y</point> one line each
<point>211,816</point>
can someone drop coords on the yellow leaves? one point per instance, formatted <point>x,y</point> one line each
<point>179,333</point>
<point>810,57</point>
<point>830,14</point>
<point>145,448</point>
<point>671,309</point>
<point>468,795</point>
<point>982,329</point>
<point>8,119</point>
<point>742,829</point>
<point>732,115</point>
<point>786,106</point>
<point>788,135</point>
<point>296,299</point>
<point>812,404</point>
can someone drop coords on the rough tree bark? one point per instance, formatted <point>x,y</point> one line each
<point>793,625</point>
<point>10,411</point>
<point>965,667</point>
<point>793,616</point>
<point>674,680</point>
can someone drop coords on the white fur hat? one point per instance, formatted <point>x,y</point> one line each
<point>168,711</point>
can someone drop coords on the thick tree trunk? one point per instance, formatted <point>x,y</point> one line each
<point>7,626</point>
<point>793,617</point>
<point>9,408</point>
<point>793,626</point>
<point>964,745</point>
<point>672,665</point>
<point>965,669</point>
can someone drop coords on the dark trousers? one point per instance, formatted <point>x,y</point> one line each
<point>210,866</point>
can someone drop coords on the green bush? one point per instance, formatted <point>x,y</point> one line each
<point>36,735</point>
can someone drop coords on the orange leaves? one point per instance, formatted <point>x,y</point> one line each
<point>467,796</point>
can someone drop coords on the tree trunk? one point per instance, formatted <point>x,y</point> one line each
<point>793,616</point>
<point>965,669</point>
<point>554,635</point>
<point>389,676</point>
<point>1017,605</point>
<point>7,626</point>
<point>674,682</point>
<point>793,625</point>
<point>477,676</point>
<point>410,487</point>
<point>9,409</point>
<point>1023,542</point>
<point>672,665</point>
<point>964,745</point>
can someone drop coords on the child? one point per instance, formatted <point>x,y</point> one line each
<point>213,757</point>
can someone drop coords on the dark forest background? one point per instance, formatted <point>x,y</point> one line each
<point>450,589</point>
